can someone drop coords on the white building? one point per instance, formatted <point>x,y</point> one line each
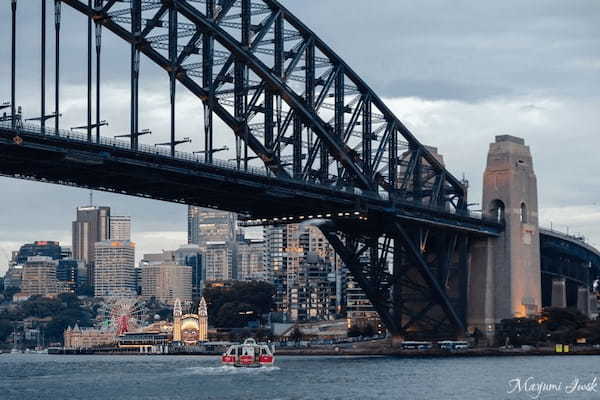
<point>114,273</point>
<point>120,227</point>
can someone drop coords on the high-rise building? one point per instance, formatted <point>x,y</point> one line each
<point>71,273</point>
<point>274,244</point>
<point>138,279</point>
<point>165,256</point>
<point>214,230</point>
<point>292,252</point>
<point>191,256</point>
<point>13,277</point>
<point>92,226</point>
<point>208,225</point>
<point>39,248</point>
<point>166,282</point>
<point>359,310</point>
<point>66,252</point>
<point>120,227</point>
<point>114,273</point>
<point>217,261</point>
<point>312,293</point>
<point>251,261</point>
<point>39,277</point>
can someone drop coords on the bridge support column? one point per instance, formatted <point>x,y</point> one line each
<point>583,300</point>
<point>481,288</point>
<point>593,308</point>
<point>505,279</point>
<point>559,293</point>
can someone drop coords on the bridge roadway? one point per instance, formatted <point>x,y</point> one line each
<point>570,258</point>
<point>151,172</point>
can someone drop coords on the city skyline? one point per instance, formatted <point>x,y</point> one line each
<point>442,90</point>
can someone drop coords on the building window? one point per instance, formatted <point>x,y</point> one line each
<point>523,213</point>
<point>497,210</point>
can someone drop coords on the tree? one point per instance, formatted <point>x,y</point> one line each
<point>41,307</point>
<point>234,315</point>
<point>254,296</point>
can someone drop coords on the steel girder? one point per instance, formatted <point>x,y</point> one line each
<point>295,106</point>
<point>416,278</point>
<point>284,93</point>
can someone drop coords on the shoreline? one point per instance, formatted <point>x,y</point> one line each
<point>382,351</point>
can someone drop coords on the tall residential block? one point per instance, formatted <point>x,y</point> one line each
<point>505,278</point>
<point>114,273</point>
<point>251,261</point>
<point>120,227</point>
<point>39,277</point>
<point>218,261</point>
<point>191,256</point>
<point>166,282</point>
<point>297,255</point>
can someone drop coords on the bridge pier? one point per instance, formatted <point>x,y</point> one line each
<point>583,300</point>
<point>505,278</point>
<point>593,309</point>
<point>559,293</point>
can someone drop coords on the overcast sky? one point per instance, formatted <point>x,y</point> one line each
<point>456,73</point>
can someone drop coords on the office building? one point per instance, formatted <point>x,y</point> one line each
<point>120,227</point>
<point>114,273</point>
<point>91,226</point>
<point>13,277</point>
<point>71,274</point>
<point>218,261</point>
<point>39,277</point>
<point>191,256</point>
<point>251,261</point>
<point>38,248</point>
<point>208,225</point>
<point>166,281</point>
<point>66,252</point>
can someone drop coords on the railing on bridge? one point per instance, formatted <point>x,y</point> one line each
<point>69,135</point>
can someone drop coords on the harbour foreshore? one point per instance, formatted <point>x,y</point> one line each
<point>340,351</point>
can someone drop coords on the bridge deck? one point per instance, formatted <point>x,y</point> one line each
<point>68,158</point>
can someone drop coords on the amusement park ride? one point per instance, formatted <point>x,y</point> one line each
<point>122,314</point>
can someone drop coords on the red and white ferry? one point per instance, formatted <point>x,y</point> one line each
<point>248,354</point>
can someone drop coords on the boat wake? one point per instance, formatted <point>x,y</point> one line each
<point>229,370</point>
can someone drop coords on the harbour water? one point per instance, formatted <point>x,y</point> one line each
<point>39,376</point>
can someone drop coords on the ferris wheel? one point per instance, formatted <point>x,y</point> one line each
<point>121,314</point>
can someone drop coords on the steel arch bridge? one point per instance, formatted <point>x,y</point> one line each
<point>313,141</point>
